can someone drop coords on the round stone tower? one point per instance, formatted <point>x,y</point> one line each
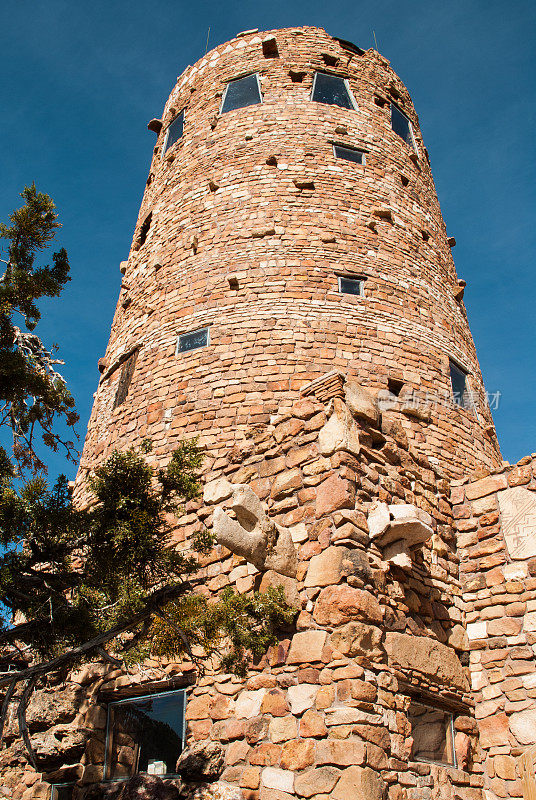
<point>291,298</point>
<point>289,229</point>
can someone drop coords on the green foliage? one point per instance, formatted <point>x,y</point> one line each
<point>75,573</point>
<point>235,628</point>
<point>32,394</point>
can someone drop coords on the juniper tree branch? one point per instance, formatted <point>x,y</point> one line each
<point>49,666</point>
<point>21,715</point>
<point>5,706</point>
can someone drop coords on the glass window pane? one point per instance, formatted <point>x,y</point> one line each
<point>193,340</point>
<point>332,90</point>
<point>145,735</point>
<point>174,131</point>
<point>401,125</point>
<point>62,791</point>
<point>460,390</point>
<point>350,286</point>
<point>431,731</point>
<point>349,154</point>
<point>242,92</point>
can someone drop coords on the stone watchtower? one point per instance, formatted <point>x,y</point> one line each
<point>290,297</point>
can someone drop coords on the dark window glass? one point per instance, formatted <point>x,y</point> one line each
<point>432,734</point>
<point>145,734</point>
<point>174,131</point>
<point>350,286</point>
<point>193,340</point>
<point>242,92</point>
<point>401,125</point>
<point>62,791</point>
<point>124,379</point>
<point>332,90</point>
<point>349,154</point>
<point>460,390</point>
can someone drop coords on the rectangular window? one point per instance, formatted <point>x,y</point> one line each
<point>350,286</point>
<point>62,791</point>
<point>242,92</point>
<point>432,731</point>
<point>145,734</point>
<point>460,389</point>
<point>174,132</point>
<point>401,125</point>
<point>193,340</point>
<point>349,153</point>
<point>332,90</point>
<point>125,378</point>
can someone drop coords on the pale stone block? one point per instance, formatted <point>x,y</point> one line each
<point>281,779</point>
<point>306,647</point>
<point>301,697</point>
<point>476,630</point>
<point>249,704</point>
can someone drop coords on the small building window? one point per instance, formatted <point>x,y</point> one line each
<point>351,285</point>
<point>193,340</point>
<point>332,90</point>
<point>144,230</point>
<point>242,92</point>
<point>349,153</point>
<point>432,731</point>
<point>401,125</point>
<point>460,389</point>
<point>145,734</point>
<point>62,791</point>
<point>125,378</point>
<point>174,132</point>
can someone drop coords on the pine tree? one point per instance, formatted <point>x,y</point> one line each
<point>105,581</point>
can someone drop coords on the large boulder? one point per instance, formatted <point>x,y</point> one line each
<point>428,656</point>
<point>204,761</point>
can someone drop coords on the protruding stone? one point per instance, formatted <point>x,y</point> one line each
<point>360,403</point>
<point>427,656</point>
<point>337,605</point>
<point>307,647</point>
<point>340,432</point>
<point>317,781</point>
<point>359,782</point>
<point>217,491</point>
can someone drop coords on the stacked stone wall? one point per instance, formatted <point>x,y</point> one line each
<point>326,711</point>
<point>496,523</point>
<point>252,219</point>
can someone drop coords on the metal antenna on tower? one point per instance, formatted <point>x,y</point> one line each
<point>208,36</point>
<point>375,42</point>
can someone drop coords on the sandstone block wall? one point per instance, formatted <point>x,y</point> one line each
<point>496,522</point>
<point>249,220</point>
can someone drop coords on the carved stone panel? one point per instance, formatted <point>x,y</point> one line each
<point>518,517</point>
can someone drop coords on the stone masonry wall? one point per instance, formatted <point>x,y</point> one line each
<point>496,523</point>
<point>252,220</point>
<point>324,714</point>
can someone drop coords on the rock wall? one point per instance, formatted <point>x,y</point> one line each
<point>326,712</point>
<point>252,221</point>
<point>496,523</point>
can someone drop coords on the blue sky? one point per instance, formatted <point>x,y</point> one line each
<point>80,81</point>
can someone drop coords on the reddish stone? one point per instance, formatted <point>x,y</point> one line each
<point>265,755</point>
<point>298,754</point>
<point>332,494</point>
<point>274,702</point>
<point>339,604</point>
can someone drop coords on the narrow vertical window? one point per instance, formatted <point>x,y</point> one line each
<point>460,389</point>
<point>432,731</point>
<point>242,92</point>
<point>332,90</point>
<point>174,132</point>
<point>62,791</point>
<point>125,378</point>
<point>144,230</point>
<point>402,126</point>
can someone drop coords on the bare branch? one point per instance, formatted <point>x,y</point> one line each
<point>21,714</point>
<point>5,706</point>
